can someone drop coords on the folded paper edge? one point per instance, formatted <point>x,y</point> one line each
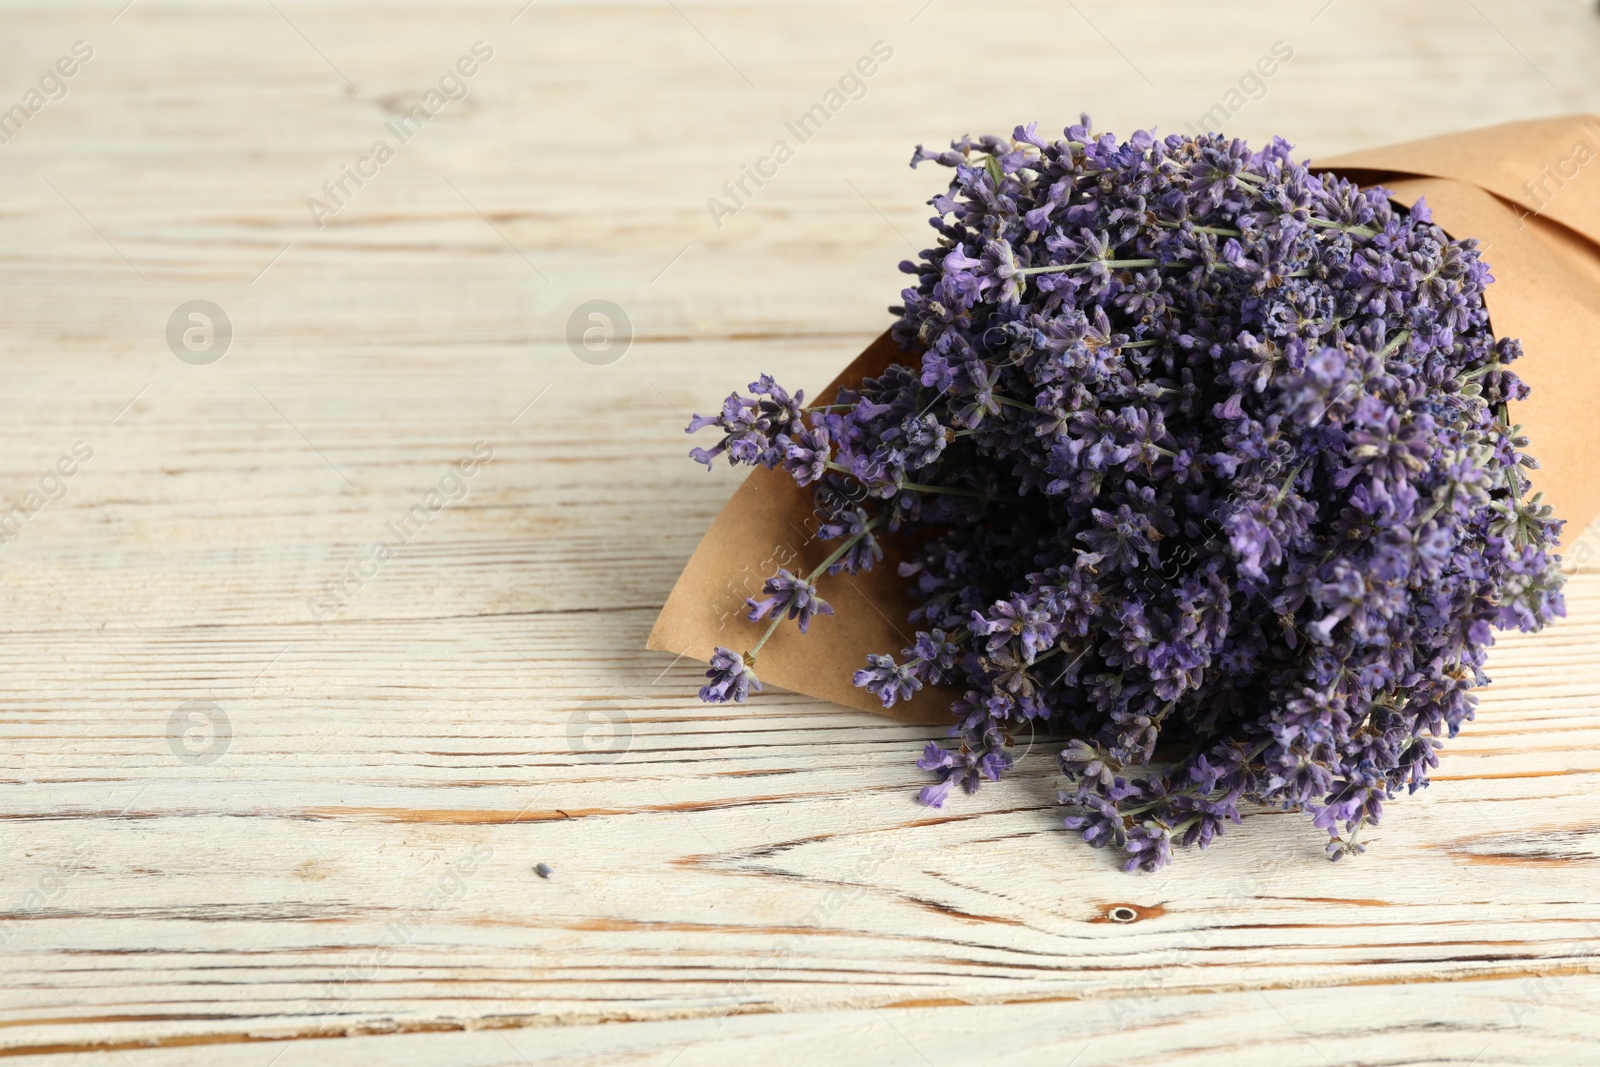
<point>1471,157</point>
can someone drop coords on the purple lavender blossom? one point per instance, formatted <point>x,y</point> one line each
<point>754,430</point>
<point>965,767</point>
<point>887,681</point>
<point>729,678</point>
<point>788,593</point>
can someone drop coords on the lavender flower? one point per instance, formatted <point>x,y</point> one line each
<point>886,681</point>
<point>965,767</point>
<point>1211,467</point>
<point>787,593</point>
<point>754,430</point>
<point>730,678</point>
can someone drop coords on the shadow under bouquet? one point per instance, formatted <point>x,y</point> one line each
<point>1188,451</point>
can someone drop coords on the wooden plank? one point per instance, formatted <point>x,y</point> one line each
<point>1493,1021</point>
<point>357,858</point>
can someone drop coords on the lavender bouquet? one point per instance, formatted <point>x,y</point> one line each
<point>1205,462</point>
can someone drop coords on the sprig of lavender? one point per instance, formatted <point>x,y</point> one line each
<point>732,674</point>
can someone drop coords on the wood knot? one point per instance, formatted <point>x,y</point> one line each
<point>1128,913</point>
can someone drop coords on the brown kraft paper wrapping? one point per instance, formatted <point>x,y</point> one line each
<point>1529,192</point>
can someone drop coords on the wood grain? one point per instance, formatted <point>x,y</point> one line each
<point>350,879</point>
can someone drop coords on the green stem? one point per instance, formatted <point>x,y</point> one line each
<point>1090,263</point>
<point>1288,483</point>
<point>1481,371</point>
<point>822,568</point>
<point>1329,224</point>
<point>1219,231</point>
<point>919,487</point>
<point>1438,505</point>
<point>1399,339</point>
<point>1326,224</point>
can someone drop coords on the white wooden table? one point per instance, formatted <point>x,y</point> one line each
<point>268,798</point>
